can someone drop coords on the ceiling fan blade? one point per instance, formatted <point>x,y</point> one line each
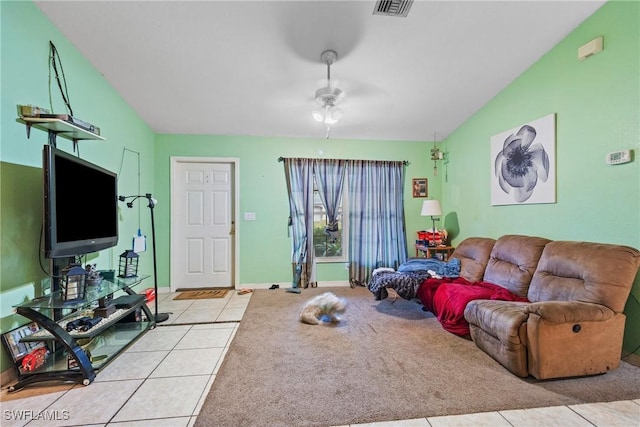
<point>299,94</point>
<point>364,90</point>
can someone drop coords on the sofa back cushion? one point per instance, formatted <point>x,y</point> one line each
<point>513,261</point>
<point>473,253</point>
<point>598,273</point>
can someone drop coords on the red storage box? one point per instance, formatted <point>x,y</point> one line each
<point>429,236</point>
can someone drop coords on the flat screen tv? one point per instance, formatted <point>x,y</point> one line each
<point>80,205</point>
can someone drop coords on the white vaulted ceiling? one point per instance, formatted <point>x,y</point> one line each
<point>252,67</point>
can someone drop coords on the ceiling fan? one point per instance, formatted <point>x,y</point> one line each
<point>328,97</point>
<point>330,101</point>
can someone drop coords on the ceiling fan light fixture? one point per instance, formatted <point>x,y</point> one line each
<point>329,115</point>
<point>334,114</point>
<point>328,97</point>
<point>318,115</point>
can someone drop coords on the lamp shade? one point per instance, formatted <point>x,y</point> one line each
<point>430,208</point>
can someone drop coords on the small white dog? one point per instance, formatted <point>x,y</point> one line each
<point>323,309</point>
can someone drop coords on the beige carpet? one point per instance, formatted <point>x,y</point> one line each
<point>201,294</point>
<point>383,362</point>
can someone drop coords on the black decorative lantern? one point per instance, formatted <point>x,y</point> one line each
<point>74,282</point>
<point>128,264</point>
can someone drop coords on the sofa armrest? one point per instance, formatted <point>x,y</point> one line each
<point>570,311</point>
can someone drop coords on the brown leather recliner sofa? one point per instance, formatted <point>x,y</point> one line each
<point>573,324</point>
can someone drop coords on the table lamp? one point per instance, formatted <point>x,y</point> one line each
<point>432,208</point>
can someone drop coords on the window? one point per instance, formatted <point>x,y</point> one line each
<point>330,244</point>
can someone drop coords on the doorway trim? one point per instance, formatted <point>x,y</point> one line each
<point>235,165</point>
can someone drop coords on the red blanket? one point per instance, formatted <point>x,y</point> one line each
<point>447,299</point>
<point>428,288</point>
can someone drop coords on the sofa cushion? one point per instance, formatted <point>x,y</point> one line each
<point>499,328</point>
<point>501,319</point>
<point>513,262</point>
<point>473,254</point>
<point>598,273</point>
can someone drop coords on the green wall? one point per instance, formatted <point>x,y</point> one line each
<point>597,106</point>
<point>24,39</point>
<point>264,244</point>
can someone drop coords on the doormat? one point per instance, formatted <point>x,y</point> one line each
<point>202,294</point>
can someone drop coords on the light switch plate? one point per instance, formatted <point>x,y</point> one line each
<point>249,216</point>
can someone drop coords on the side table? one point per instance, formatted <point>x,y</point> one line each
<point>431,251</point>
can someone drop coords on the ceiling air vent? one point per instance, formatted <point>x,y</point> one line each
<point>392,7</point>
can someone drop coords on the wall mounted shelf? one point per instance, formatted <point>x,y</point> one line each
<point>58,127</point>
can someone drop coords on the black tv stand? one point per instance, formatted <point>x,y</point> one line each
<point>78,355</point>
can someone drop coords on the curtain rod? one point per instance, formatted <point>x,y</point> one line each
<point>404,162</point>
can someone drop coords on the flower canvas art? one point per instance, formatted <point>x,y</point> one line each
<point>523,164</point>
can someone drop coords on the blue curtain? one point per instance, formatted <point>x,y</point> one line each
<point>376,218</point>
<point>329,175</point>
<point>377,236</point>
<point>299,176</point>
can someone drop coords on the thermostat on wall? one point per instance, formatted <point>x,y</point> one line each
<point>619,157</point>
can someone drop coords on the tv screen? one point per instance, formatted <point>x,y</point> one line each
<point>80,205</point>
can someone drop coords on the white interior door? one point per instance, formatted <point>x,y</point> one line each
<point>203,226</point>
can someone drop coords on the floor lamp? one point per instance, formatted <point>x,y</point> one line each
<point>158,317</point>
<point>432,208</point>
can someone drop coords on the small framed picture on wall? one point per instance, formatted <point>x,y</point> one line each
<point>420,187</point>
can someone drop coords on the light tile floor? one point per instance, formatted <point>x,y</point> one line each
<point>163,379</point>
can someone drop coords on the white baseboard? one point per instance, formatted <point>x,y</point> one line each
<point>334,284</point>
